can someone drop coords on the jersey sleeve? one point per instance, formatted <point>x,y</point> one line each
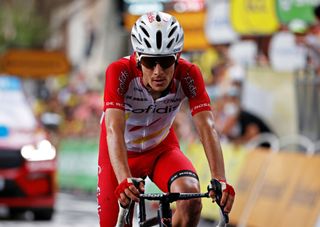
<point>194,89</point>
<point>117,75</point>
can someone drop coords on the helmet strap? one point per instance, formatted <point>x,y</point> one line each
<point>137,60</point>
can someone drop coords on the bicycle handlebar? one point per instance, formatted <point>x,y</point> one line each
<point>172,197</point>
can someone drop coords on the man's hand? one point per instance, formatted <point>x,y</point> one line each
<point>129,189</point>
<point>222,193</point>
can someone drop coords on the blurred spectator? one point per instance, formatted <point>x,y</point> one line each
<point>237,76</point>
<point>309,38</point>
<point>225,74</point>
<point>71,110</point>
<point>53,114</point>
<point>235,124</point>
<point>218,81</point>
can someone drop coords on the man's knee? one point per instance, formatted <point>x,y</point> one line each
<point>185,184</point>
<point>191,207</point>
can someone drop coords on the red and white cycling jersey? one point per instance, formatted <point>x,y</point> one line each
<point>148,121</point>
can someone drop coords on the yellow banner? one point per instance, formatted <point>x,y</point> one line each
<point>301,205</point>
<point>284,186</point>
<point>246,183</point>
<point>234,161</point>
<point>254,17</point>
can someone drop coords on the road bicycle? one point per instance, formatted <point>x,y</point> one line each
<point>164,213</point>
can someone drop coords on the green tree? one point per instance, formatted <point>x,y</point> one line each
<point>21,26</point>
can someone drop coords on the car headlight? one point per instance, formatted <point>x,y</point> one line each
<point>43,151</point>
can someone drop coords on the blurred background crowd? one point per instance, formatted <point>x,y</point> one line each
<point>233,44</point>
<point>260,61</point>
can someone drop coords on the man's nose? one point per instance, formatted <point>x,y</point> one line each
<point>157,67</point>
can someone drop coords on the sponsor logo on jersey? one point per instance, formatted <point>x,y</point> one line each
<point>114,104</point>
<point>137,89</point>
<point>191,86</point>
<point>122,79</point>
<point>172,100</point>
<point>151,109</point>
<point>203,105</point>
<point>141,99</point>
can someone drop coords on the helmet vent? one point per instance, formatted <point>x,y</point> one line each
<point>170,43</point>
<point>172,31</point>
<point>147,43</point>
<point>136,39</point>
<point>144,31</point>
<point>158,18</point>
<point>180,38</point>
<point>159,39</point>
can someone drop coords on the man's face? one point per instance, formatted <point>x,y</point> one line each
<point>157,72</point>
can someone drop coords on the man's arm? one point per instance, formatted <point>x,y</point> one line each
<point>115,125</point>
<point>211,143</point>
<point>209,138</point>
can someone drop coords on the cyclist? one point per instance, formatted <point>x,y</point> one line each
<point>143,93</point>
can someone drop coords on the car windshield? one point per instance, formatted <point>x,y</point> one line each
<point>15,110</point>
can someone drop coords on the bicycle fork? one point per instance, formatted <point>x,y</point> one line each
<point>165,214</point>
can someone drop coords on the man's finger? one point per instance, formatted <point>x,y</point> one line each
<point>124,200</point>
<point>132,195</point>
<point>229,204</point>
<point>224,198</point>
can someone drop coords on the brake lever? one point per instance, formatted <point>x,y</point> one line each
<point>129,209</point>
<point>216,187</point>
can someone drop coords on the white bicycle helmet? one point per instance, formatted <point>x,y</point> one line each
<point>157,33</point>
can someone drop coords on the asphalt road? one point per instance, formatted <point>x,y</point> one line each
<point>71,211</point>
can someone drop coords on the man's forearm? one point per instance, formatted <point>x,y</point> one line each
<point>211,143</point>
<point>118,158</point>
<point>214,155</point>
<point>115,124</point>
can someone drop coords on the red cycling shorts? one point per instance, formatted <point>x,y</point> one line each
<point>161,164</point>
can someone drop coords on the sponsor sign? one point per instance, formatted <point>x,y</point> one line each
<point>34,63</point>
<point>254,17</point>
<point>288,10</point>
